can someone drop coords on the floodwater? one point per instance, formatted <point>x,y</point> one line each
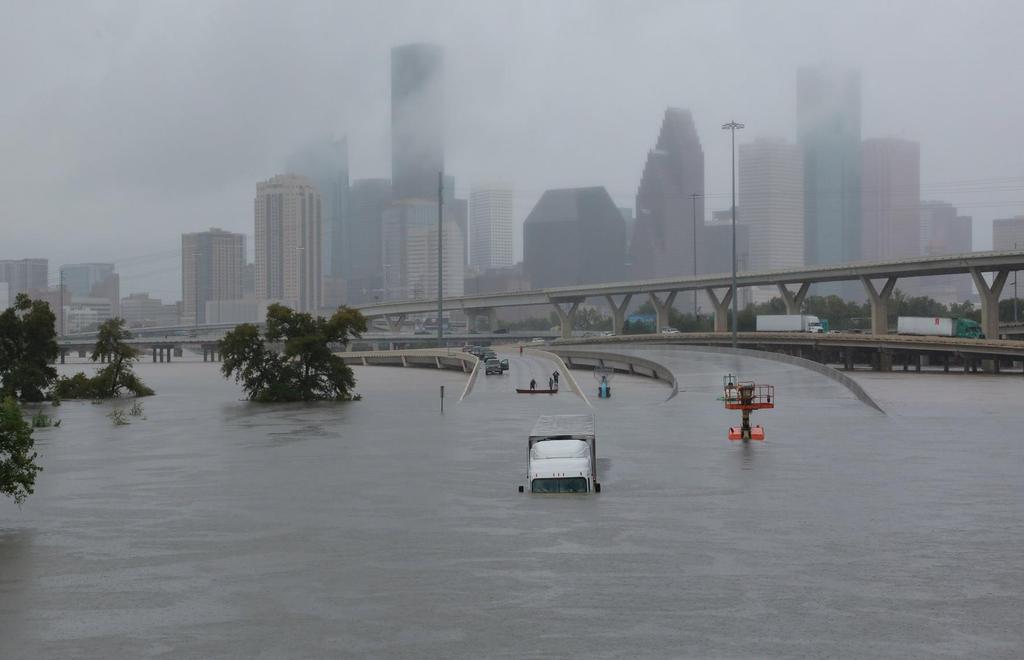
<point>214,527</point>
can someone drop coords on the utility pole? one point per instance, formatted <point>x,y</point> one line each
<point>62,332</point>
<point>694,196</point>
<point>732,126</point>
<point>440,256</point>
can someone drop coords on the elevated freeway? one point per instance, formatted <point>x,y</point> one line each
<point>878,278</point>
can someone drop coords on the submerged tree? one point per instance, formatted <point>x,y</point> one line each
<point>28,347</point>
<point>17,460</point>
<point>112,348</point>
<point>305,369</point>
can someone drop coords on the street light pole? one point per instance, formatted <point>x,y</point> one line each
<point>694,196</point>
<point>1015,290</point>
<point>732,126</point>
<point>440,256</point>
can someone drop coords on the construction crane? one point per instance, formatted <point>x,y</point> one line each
<point>746,397</point>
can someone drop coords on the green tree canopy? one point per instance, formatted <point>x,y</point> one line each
<point>305,368</point>
<point>28,346</point>
<point>111,347</point>
<point>17,460</point>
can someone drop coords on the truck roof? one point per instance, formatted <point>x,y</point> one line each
<point>560,449</point>
<point>579,426</point>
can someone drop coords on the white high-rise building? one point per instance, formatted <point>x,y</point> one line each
<point>771,205</point>
<point>409,247</point>
<point>490,226</point>
<point>771,190</point>
<point>288,242</point>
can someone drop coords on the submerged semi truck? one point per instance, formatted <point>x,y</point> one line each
<point>790,323</point>
<point>937,326</point>
<point>562,455</point>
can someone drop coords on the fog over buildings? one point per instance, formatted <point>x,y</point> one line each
<point>127,125</point>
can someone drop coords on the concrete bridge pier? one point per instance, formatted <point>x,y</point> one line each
<point>793,300</point>
<point>395,321</point>
<point>154,354</point>
<point>721,307</point>
<point>619,311</point>
<point>989,300</point>
<point>63,354</point>
<point>566,318</point>
<point>662,308</point>
<point>879,304</point>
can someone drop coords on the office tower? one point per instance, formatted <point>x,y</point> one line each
<point>93,285</point>
<point>409,247</point>
<point>367,200</point>
<point>212,270</point>
<point>1008,233</point>
<point>417,120</point>
<point>574,236</point>
<point>139,310</point>
<point>325,162</point>
<point>491,209</point>
<point>714,257</point>
<point>771,195</point>
<point>942,231</point>
<point>828,126</point>
<point>22,276</point>
<point>288,239</point>
<point>630,220</point>
<point>668,217</point>
<point>890,196</point>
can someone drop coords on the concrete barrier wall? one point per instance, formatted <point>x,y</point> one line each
<point>823,369</point>
<point>631,364</point>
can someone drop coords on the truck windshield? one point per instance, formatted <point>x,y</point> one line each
<point>561,485</point>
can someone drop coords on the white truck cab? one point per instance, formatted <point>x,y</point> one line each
<point>563,455</point>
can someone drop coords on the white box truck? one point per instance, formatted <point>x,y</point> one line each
<point>563,455</point>
<point>789,323</point>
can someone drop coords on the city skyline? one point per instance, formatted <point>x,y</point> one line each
<point>594,162</point>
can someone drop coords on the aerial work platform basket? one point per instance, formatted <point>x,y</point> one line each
<point>746,396</point>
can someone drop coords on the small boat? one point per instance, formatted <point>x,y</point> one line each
<point>529,391</point>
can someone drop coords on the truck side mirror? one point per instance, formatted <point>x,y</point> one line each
<point>520,489</point>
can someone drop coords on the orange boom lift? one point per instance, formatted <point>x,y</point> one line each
<point>745,396</point>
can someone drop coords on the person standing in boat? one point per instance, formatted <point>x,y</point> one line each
<point>533,384</point>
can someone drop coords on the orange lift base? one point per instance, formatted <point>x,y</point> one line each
<point>756,433</point>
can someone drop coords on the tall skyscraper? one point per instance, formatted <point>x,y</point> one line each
<point>22,276</point>
<point>771,196</point>
<point>288,239</point>
<point>890,199</point>
<point>417,120</point>
<point>409,247</point>
<point>212,270</point>
<point>1008,233</point>
<point>828,127</point>
<point>367,200</point>
<point>325,162</point>
<point>663,237</point>
<point>491,208</point>
<point>574,236</point>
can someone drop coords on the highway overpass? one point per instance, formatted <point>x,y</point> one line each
<point>878,278</point>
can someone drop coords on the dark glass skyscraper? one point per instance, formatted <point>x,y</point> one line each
<point>828,128</point>
<point>367,200</point>
<point>417,120</point>
<point>574,236</point>
<point>663,234</point>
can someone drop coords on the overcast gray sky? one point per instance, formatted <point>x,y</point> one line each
<point>124,124</point>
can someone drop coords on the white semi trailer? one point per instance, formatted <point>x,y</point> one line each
<point>563,455</point>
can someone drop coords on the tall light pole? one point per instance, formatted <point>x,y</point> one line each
<point>440,256</point>
<point>696,319</point>
<point>1015,290</point>
<point>732,126</point>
